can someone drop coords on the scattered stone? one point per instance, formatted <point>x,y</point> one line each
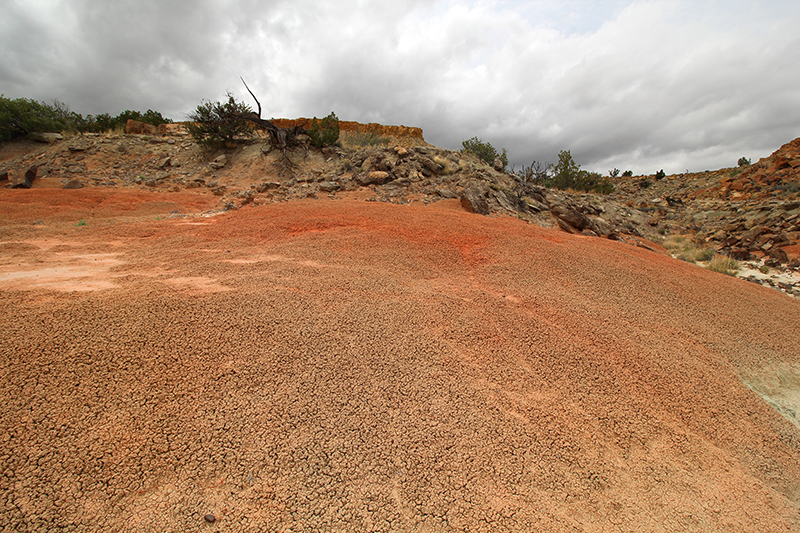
<point>210,518</point>
<point>72,184</point>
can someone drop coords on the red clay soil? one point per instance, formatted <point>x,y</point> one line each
<point>351,366</point>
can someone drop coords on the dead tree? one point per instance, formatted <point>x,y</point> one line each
<point>282,138</point>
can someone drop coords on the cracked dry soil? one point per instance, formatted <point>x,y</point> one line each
<point>335,365</point>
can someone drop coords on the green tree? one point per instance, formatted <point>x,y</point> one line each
<point>324,132</point>
<point>484,151</point>
<point>567,174</point>
<point>743,161</point>
<point>214,123</point>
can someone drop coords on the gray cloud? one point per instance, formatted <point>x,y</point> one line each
<point>640,85</point>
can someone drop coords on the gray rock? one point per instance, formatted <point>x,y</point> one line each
<point>473,199</point>
<point>329,186</point>
<point>376,177</point>
<point>219,162</point>
<point>46,137</point>
<point>265,186</point>
<point>572,216</point>
<point>444,193</point>
<point>431,165</point>
<point>72,184</point>
<point>30,176</point>
<point>534,205</point>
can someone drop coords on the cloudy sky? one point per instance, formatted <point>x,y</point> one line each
<point>638,85</point>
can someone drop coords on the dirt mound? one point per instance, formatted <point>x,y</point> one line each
<point>332,365</point>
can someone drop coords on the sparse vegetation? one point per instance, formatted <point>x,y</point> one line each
<point>627,174</point>
<point>724,265</point>
<point>359,139</point>
<point>613,173</point>
<point>743,162</point>
<point>484,151</point>
<point>686,250</point>
<point>81,222</point>
<point>660,175</point>
<point>213,125</point>
<point>324,132</point>
<point>536,174</point>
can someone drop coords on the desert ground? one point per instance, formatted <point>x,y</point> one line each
<point>334,364</point>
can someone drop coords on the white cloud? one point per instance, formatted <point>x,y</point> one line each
<point>640,85</point>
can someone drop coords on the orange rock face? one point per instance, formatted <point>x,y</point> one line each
<point>346,125</point>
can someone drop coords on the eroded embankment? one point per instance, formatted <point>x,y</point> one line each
<point>336,365</point>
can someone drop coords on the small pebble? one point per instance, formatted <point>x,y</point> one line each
<point>210,518</point>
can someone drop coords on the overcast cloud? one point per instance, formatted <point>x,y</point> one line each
<point>635,85</point>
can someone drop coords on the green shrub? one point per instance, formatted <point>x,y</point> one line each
<point>644,183</point>
<point>660,175</point>
<point>24,116</point>
<point>743,161</point>
<point>213,123</point>
<point>324,132</point>
<point>484,151</point>
<point>627,174</point>
<point>613,173</point>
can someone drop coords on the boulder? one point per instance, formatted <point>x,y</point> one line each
<point>72,184</point>
<point>473,199</point>
<point>30,175</point>
<point>573,217</point>
<point>779,255</point>
<point>45,137</point>
<point>376,177</point>
<point>265,186</point>
<point>219,162</point>
<point>3,177</point>
<point>329,186</point>
<point>601,227</point>
<point>430,165</point>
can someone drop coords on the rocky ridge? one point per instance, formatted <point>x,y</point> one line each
<point>750,213</point>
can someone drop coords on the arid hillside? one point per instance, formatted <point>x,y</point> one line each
<point>347,344</point>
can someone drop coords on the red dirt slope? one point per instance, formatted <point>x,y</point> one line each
<point>353,366</point>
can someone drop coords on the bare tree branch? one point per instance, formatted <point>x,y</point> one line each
<point>254,96</point>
